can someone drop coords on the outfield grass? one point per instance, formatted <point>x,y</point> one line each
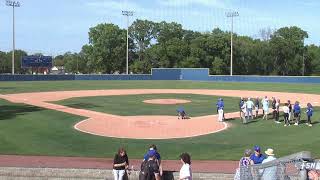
<point>132,105</point>
<point>28,130</point>
<point>36,86</point>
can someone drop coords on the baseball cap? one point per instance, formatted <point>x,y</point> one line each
<point>152,153</point>
<point>257,148</point>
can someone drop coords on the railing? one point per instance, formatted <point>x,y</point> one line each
<point>288,167</point>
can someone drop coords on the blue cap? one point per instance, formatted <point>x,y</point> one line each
<point>257,148</point>
<point>152,153</point>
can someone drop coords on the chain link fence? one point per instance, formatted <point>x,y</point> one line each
<point>291,167</point>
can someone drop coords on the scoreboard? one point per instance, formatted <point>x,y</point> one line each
<point>36,61</point>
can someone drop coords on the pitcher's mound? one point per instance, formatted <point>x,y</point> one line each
<point>166,101</point>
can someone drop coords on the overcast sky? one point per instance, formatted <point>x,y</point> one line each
<point>56,26</point>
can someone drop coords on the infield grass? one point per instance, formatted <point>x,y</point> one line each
<point>133,105</point>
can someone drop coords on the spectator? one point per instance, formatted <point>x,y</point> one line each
<point>286,112</point>
<point>257,157</point>
<point>244,163</point>
<point>240,106</point>
<point>120,164</point>
<point>270,172</point>
<point>314,175</point>
<point>158,157</point>
<point>150,168</point>
<point>309,114</point>
<point>297,112</point>
<point>185,171</point>
<point>265,107</point>
<point>263,101</point>
<point>277,111</point>
<point>244,113</point>
<point>220,106</point>
<point>273,105</point>
<point>250,105</point>
<point>257,105</point>
<point>290,110</point>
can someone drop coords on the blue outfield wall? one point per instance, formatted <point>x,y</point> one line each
<point>114,77</point>
<point>166,74</point>
<point>18,77</point>
<point>191,74</point>
<point>267,79</point>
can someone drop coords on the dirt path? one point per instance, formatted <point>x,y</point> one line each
<point>147,127</point>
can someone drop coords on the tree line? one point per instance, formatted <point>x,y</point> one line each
<point>168,45</point>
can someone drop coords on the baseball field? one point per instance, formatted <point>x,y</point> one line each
<point>95,118</point>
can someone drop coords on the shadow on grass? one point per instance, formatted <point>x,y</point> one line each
<point>7,88</point>
<point>240,120</point>
<point>8,112</point>
<point>82,105</point>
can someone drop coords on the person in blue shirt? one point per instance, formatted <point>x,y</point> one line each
<point>257,157</point>
<point>297,112</point>
<point>309,114</point>
<point>146,156</point>
<point>181,113</point>
<point>220,107</point>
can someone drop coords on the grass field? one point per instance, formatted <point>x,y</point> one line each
<point>28,86</point>
<point>133,104</point>
<point>31,130</point>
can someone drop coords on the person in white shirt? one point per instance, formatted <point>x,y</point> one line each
<point>250,106</point>
<point>286,112</point>
<point>185,171</point>
<point>269,173</point>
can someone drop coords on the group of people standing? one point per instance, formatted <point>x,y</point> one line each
<point>151,166</point>
<point>247,106</point>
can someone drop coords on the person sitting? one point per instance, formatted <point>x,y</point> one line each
<point>269,173</point>
<point>182,113</point>
<point>257,157</point>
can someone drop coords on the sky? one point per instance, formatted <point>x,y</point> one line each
<point>54,27</point>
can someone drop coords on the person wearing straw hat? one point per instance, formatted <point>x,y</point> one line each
<point>270,172</point>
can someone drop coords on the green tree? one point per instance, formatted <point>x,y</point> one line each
<point>287,47</point>
<point>142,32</point>
<point>106,50</point>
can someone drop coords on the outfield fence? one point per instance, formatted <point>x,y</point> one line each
<point>188,74</point>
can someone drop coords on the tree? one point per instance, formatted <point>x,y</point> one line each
<point>142,33</point>
<point>106,49</point>
<point>219,66</point>
<point>287,45</point>
<point>312,60</point>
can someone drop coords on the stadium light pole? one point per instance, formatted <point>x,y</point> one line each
<point>127,13</point>
<point>13,4</point>
<point>231,15</point>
